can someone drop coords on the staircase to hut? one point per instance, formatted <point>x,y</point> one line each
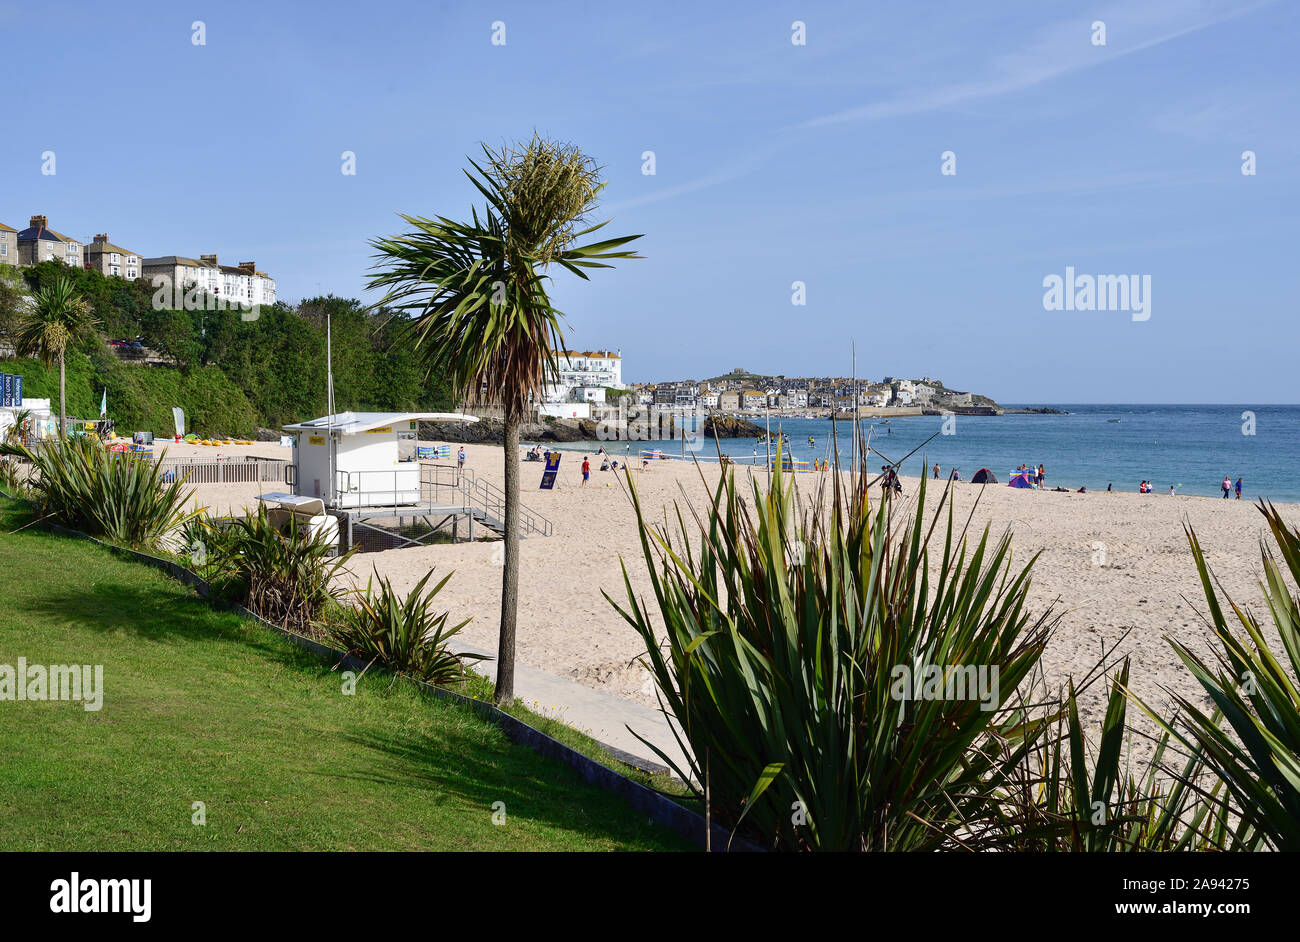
<point>479,499</point>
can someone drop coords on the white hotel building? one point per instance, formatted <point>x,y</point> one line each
<point>243,284</point>
<point>581,379</point>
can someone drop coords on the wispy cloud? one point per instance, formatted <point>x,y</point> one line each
<point>727,174</point>
<point>1056,51</point>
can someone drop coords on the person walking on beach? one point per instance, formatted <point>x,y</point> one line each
<point>586,470</point>
<point>936,470</point>
<point>1227,486</point>
<point>1042,475</point>
<point>460,459</point>
<point>1238,488</point>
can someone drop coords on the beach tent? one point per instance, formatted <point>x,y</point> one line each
<point>1021,479</point>
<point>984,476</point>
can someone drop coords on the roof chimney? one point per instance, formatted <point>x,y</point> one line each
<point>40,221</point>
<point>248,268</point>
<point>102,237</point>
<point>210,259</point>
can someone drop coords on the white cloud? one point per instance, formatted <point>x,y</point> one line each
<point>1058,50</point>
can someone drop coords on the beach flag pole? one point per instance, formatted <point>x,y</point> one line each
<point>769,443</point>
<point>329,403</point>
<point>854,456</point>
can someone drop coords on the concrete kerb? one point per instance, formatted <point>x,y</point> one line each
<point>659,808</point>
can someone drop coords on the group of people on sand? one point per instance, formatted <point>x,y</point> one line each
<point>1037,475</point>
<point>953,475</point>
<point>1145,487</point>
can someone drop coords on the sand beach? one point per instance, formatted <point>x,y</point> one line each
<point>1112,563</point>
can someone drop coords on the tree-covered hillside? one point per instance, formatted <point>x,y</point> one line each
<point>230,375</point>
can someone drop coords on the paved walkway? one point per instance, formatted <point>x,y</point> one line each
<point>600,715</point>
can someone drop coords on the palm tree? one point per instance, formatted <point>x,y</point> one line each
<point>58,317</point>
<point>475,296</point>
<point>14,433</point>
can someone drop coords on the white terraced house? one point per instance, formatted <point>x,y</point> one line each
<point>579,371</point>
<point>243,284</point>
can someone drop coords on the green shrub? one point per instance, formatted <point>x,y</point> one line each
<point>784,631</point>
<point>406,635</point>
<point>118,496</point>
<point>285,576</point>
<point>1057,806</point>
<point>206,545</point>
<point>42,382</point>
<point>1257,755</point>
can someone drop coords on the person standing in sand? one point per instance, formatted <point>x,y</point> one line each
<point>936,470</point>
<point>460,459</point>
<point>1227,486</point>
<point>1238,488</point>
<point>586,470</point>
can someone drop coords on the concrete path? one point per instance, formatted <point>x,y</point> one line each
<point>602,716</point>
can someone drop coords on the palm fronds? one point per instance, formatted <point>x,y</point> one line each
<point>118,496</point>
<point>1069,797</point>
<point>1252,739</point>
<point>286,576</point>
<point>841,697</point>
<point>56,318</point>
<point>474,293</point>
<point>404,634</point>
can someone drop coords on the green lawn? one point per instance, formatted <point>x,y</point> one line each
<point>205,706</point>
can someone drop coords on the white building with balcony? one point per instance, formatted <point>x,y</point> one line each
<point>242,284</point>
<point>578,373</point>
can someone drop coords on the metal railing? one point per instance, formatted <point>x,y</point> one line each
<point>238,470</point>
<point>491,498</point>
<point>440,487</point>
<point>400,489</point>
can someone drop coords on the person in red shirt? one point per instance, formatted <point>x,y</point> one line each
<point>586,470</point>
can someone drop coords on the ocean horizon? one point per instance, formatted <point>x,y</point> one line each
<point>1191,446</point>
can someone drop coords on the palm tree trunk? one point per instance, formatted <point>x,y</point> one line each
<point>505,688</point>
<point>63,411</point>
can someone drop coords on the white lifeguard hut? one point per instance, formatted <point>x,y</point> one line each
<point>363,470</point>
<point>359,460</point>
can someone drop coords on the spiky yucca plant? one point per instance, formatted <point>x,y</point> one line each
<point>205,544</point>
<point>286,576</point>
<point>1251,742</point>
<point>1068,800</point>
<point>785,632</point>
<point>119,496</point>
<point>404,634</point>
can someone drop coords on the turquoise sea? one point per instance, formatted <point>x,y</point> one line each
<point>1189,446</point>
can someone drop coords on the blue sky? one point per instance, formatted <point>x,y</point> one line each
<point>775,163</point>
